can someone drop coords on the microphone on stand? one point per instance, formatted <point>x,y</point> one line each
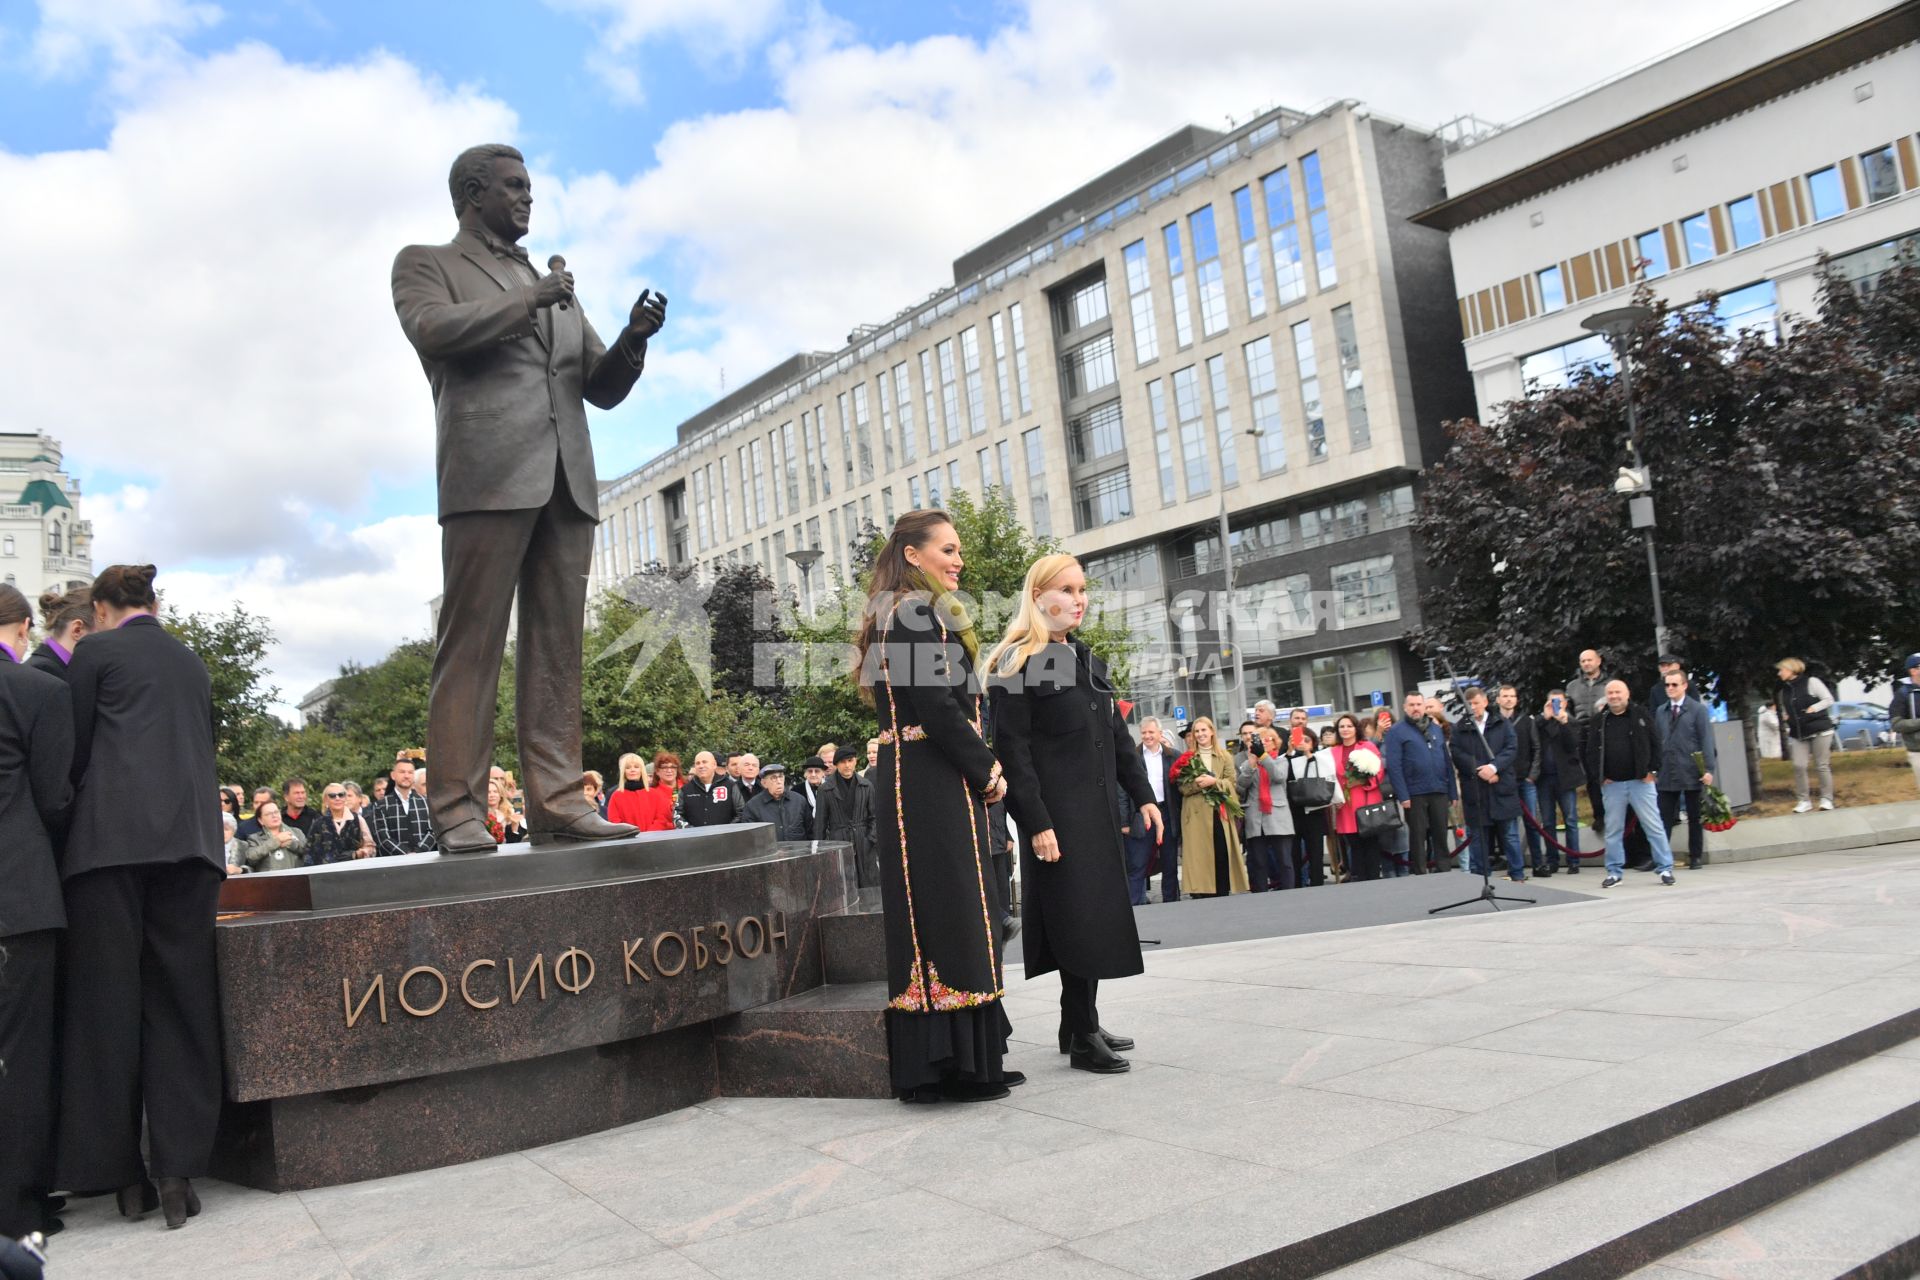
<point>557,264</point>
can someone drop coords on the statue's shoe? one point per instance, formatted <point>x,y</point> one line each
<point>588,826</point>
<point>469,835</point>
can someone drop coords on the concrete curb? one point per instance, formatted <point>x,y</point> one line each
<point>1818,832</point>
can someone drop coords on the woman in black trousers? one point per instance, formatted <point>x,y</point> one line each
<point>1067,755</point>
<point>36,752</point>
<point>142,872</point>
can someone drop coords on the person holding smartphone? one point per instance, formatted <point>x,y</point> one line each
<point>1550,780</point>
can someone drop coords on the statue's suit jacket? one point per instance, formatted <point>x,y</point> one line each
<point>508,379</point>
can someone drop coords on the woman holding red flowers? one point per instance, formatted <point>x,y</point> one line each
<point>1209,839</point>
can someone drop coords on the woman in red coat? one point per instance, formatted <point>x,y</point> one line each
<point>1359,766</point>
<point>648,807</point>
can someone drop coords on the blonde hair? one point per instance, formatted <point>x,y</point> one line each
<point>1028,633</point>
<point>1212,729</point>
<point>1792,666</point>
<point>620,770</point>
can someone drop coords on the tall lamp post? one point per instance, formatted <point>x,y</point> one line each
<point>806,558</point>
<point>1226,560</point>
<point>1634,483</point>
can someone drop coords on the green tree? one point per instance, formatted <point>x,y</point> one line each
<point>635,696</point>
<point>382,707</point>
<point>1788,525</point>
<point>233,645</point>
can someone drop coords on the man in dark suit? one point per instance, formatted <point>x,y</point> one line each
<point>1682,726</point>
<point>36,752</point>
<point>1157,755</point>
<point>510,358</point>
<point>1483,750</point>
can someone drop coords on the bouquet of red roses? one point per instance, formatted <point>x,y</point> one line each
<point>1715,813</point>
<point>1189,768</point>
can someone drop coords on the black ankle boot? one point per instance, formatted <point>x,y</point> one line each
<point>1122,1043</point>
<point>178,1202</point>
<point>1092,1053</point>
<point>138,1198</point>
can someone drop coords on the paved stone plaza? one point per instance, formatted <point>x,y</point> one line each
<point>1296,1092</point>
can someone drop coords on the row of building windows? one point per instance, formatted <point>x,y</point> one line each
<point>1753,307</point>
<point>1854,182</point>
<point>1272,535</point>
<point>1698,242</point>
<point>1284,241</point>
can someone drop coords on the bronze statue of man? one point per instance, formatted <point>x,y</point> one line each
<point>510,357</point>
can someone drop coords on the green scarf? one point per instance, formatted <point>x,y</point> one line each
<point>947,606</point>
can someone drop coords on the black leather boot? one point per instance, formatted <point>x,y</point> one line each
<point>139,1198</point>
<point>178,1202</point>
<point>1092,1053</point>
<point>1121,1043</point>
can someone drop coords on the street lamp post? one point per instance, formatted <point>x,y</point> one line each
<point>1618,325</point>
<point>806,558</point>
<point>1226,560</point>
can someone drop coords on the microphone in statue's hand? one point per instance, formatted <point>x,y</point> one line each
<point>557,264</point>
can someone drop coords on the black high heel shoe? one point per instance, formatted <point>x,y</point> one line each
<point>1091,1053</point>
<point>137,1199</point>
<point>1122,1043</point>
<point>178,1201</point>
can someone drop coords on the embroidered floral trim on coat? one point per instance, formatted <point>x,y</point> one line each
<point>908,733</point>
<point>937,996</point>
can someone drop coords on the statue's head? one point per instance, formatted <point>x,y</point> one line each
<point>491,182</point>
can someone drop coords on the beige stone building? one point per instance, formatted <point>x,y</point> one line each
<point>43,541</point>
<point>1241,319</point>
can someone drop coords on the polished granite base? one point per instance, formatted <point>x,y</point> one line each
<point>400,1014</point>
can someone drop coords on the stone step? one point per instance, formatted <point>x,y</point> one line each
<point>1606,1222</point>
<point>853,944</point>
<point>1862,1223</point>
<point>830,1042</point>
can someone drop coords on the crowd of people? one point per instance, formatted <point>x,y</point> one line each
<point>274,830</point>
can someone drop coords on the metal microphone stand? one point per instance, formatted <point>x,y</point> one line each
<point>1486,894</point>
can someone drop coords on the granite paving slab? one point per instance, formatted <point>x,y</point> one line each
<point>1287,1092</point>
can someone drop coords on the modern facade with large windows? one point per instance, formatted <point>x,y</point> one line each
<point>1728,168</point>
<point>1243,321</point>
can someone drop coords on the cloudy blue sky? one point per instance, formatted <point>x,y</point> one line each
<point>202,200</point>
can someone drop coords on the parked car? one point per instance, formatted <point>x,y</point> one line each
<point>1862,724</point>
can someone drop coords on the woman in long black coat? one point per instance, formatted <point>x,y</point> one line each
<point>1068,756</point>
<point>946,1027</point>
<point>141,869</point>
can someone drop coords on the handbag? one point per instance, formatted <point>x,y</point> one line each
<point>1311,791</point>
<point>1377,819</point>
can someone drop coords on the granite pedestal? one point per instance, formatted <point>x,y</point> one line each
<point>396,1014</point>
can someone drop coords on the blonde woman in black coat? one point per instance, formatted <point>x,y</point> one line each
<point>1068,755</point>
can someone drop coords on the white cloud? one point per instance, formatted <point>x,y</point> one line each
<point>373,593</point>
<point>134,35</point>
<point>716,32</point>
<point>205,309</point>
<point>209,299</point>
